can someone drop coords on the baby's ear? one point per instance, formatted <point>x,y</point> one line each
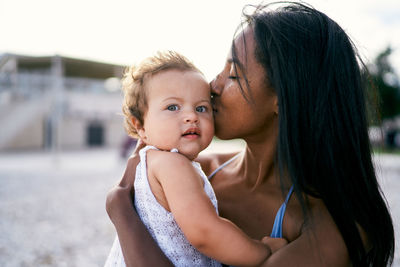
<point>139,128</point>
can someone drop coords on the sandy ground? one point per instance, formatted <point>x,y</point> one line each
<point>52,208</point>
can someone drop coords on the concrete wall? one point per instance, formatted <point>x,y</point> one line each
<point>115,132</point>
<point>75,130</point>
<point>31,137</point>
<point>73,133</point>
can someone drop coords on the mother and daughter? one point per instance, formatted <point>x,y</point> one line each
<point>303,192</point>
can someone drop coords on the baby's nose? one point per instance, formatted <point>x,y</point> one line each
<point>191,117</point>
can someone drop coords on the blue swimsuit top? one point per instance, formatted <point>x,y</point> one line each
<point>277,228</point>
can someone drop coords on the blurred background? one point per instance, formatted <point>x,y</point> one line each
<point>62,142</point>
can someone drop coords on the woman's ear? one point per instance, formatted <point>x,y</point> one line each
<point>139,128</point>
<point>276,105</point>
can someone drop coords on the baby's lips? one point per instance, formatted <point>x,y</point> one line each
<point>192,130</point>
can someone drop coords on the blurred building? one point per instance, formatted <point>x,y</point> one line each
<point>59,102</point>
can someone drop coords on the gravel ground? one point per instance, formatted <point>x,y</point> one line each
<point>52,208</point>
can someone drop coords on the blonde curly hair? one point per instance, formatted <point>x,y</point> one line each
<point>134,84</point>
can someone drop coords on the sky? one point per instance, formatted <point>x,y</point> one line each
<point>124,32</point>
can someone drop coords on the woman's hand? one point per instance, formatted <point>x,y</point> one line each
<point>136,242</point>
<point>139,145</point>
<point>119,198</point>
<point>274,243</point>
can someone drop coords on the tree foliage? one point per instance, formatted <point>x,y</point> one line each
<point>384,87</point>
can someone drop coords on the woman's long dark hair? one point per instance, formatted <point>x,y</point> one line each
<point>323,143</point>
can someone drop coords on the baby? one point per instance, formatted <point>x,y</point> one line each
<point>167,105</point>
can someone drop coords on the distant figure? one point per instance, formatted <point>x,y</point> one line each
<point>391,138</point>
<point>127,145</point>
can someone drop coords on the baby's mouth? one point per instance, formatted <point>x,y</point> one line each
<point>191,131</point>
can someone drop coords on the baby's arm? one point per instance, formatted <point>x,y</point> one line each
<point>212,235</point>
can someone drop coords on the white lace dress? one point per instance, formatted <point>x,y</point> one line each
<point>161,223</point>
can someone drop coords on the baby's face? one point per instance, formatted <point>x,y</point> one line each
<point>179,113</point>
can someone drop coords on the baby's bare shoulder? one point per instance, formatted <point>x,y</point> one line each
<point>158,159</point>
<point>169,167</point>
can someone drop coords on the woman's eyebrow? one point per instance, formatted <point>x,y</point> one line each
<point>236,62</point>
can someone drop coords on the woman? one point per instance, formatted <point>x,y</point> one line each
<point>292,89</point>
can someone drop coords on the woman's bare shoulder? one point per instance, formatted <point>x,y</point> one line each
<point>210,161</point>
<point>321,214</point>
<point>322,227</point>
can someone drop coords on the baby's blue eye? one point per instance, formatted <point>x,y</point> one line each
<point>201,109</point>
<point>172,107</point>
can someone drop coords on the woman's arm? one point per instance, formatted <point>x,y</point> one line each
<point>136,243</point>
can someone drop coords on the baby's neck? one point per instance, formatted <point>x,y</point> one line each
<point>191,157</point>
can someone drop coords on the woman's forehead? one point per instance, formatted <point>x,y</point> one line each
<point>243,48</point>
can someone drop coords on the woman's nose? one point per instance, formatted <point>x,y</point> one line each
<point>216,85</point>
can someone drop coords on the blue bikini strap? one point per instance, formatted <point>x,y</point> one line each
<point>221,166</point>
<point>277,228</point>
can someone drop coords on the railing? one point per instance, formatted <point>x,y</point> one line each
<point>29,85</point>
<point>85,85</point>
<point>24,96</point>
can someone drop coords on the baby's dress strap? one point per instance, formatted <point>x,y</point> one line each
<point>148,147</point>
<point>143,151</point>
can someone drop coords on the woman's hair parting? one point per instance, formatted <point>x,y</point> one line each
<point>323,145</point>
<point>134,83</point>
